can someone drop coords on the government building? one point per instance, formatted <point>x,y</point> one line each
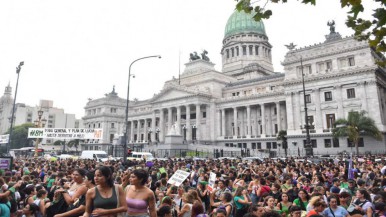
<point>246,104</point>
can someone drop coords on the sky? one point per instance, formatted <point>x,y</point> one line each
<point>79,49</point>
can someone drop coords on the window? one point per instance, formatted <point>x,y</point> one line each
<point>350,93</point>
<point>239,145</point>
<point>313,143</point>
<point>99,125</point>
<point>113,110</point>
<point>321,67</point>
<point>311,121</point>
<point>203,114</point>
<point>351,61</point>
<point>275,111</point>
<point>244,50</point>
<point>308,98</point>
<point>112,125</point>
<point>237,51</point>
<point>327,143</point>
<point>256,50</point>
<point>351,144</point>
<point>250,50</point>
<point>307,69</point>
<point>259,145</point>
<point>268,145</point>
<point>328,96</point>
<point>227,51</point>
<point>329,65</point>
<point>276,129</point>
<point>335,142</point>
<point>148,124</point>
<point>233,52</point>
<point>330,118</point>
<point>253,145</point>
<point>274,145</point>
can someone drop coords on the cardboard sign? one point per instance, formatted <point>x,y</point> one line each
<point>178,177</point>
<point>212,180</point>
<point>6,163</point>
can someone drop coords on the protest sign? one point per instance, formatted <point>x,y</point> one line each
<point>6,163</point>
<point>178,177</point>
<point>212,180</point>
<point>65,133</point>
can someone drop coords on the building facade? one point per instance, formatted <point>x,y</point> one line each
<point>247,104</point>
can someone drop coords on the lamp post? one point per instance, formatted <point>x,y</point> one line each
<point>127,105</point>
<point>39,123</point>
<point>308,146</point>
<point>18,68</point>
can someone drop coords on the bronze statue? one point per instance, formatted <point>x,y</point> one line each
<point>331,24</point>
<point>204,57</point>
<point>194,56</point>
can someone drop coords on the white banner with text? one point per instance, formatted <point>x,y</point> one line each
<point>65,133</point>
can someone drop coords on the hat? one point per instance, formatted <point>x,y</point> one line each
<point>361,182</point>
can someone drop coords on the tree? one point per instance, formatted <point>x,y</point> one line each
<point>371,30</point>
<point>282,136</point>
<point>58,142</point>
<point>356,125</point>
<point>19,137</point>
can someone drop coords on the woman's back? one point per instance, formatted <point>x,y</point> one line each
<point>189,213</point>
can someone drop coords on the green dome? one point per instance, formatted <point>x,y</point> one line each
<point>241,22</point>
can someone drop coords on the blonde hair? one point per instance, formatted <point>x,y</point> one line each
<point>188,197</point>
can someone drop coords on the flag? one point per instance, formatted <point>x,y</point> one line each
<point>350,168</point>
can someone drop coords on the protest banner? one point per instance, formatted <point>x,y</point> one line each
<point>178,177</point>
<point>212,180</point>
<point>65,133</point>
<point>4,138</point>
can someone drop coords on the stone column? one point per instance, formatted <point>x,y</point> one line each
<point>249,133</point>
<point>153,121</point>
<point>170,119</point>
<point>218,114</point>
<point>290,112</point>
<point>161,125</point>
<point>131,131</point>
<point>299,108</point>
<point>362,89</point>
<point>263,124</point>
<point>235,121</point>
<point>179,120</point>
<point>145,130</point>
<point>339,100</point>
<point>318,111</point>
<point>223,132</point>
<point>138,130</point>
<point>198,121</point>
<point>188,128</point>
<point>278,116</point>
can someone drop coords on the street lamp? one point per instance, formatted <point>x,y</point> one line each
<point>39,123</point>
<point>308,146</point>
<point>127,105</point>
<point>13,107</point>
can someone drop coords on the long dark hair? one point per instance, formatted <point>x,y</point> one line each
<point>107,173</point>
<point>197,209</point>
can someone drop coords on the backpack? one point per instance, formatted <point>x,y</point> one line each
<point>358,203</point>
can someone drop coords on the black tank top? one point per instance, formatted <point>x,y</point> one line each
<point>105,203</point>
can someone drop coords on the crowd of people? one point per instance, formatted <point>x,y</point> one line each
<point>268,188</point>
